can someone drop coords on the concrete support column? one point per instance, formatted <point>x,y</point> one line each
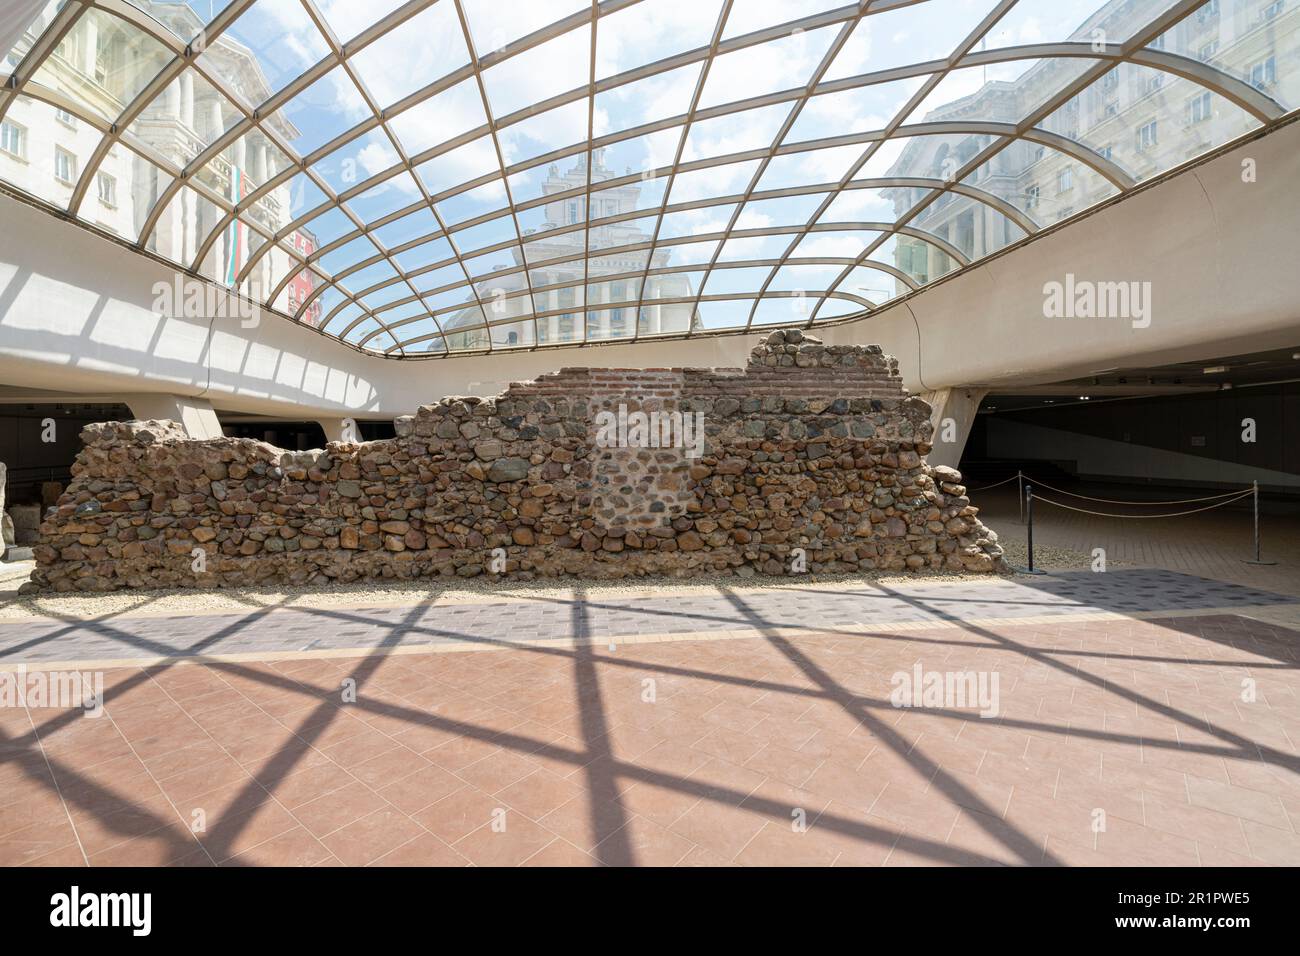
<point>195,415</point>
<point>340,429</point>
<point>952,414</point>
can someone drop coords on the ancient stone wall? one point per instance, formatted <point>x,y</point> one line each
<point>811,457</point>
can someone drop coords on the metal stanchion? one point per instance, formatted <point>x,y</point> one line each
<point>1029,515</point>
<point>1255,499</point>
<point>1020,487</point>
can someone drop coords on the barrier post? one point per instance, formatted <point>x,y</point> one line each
<point>1020,496</point>
<point>1029,515</point>
<point>1255,500</point>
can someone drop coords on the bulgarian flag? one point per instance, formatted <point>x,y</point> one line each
<point>236,232</point>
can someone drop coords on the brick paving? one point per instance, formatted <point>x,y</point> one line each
<point>1116,741</point>
<point>568,616</point>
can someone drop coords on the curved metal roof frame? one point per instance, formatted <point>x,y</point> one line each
<point>185,55</point>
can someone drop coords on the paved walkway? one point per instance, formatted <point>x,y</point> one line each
<point>809,609</point>
<point>1144,716</point>
<point>1108,742</point>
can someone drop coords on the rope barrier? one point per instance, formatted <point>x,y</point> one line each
<point>1175,514</point>
<point>996,484</point>
<point>1109,501</point>
<point>1121,501</point>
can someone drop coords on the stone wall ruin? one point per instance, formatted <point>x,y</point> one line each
<point>810,450</point>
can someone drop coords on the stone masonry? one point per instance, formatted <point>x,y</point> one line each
<point>812,457</point>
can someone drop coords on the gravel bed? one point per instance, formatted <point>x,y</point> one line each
<point>462,590</point>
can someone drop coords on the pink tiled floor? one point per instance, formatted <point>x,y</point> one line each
<point>1117,742</point>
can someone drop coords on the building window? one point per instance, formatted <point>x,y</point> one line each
<point>1110,81</point>
<point>1146,136</point>
<point>1207,52</point>
<point>512,338</point>
<point>1263,73</point>
<point>1065,180</point>
<point>1272,10</point>
<point>1198,108</point>
<point>13,139</point>
<point>107,189</point>
<point>1208,12</point>
<point>1031,197</point>
<point>1154,82</point>
<point>66,118</point>
<point>1112,109</point>
<point>65,166</point>
<point>1106,151</point>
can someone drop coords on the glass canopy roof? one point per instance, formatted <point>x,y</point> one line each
<point>442,177</point>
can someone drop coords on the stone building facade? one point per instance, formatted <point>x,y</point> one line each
<point>812,458</point>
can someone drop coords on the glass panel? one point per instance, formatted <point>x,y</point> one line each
<point>493,32</point>
<point>1043,183</point>
<point>1247,39</point>
<point>554,129</point>
<point>754,247</point>
<point>735,133</point>
<point>731,314</point>
<point>456,167</point>
<point>840,244</point>
<point>22,40</point>
<point>242,166</point>
<point>870,205</point>
<point>785,310</point>
<point>784,211</point>
<point>125,189</point>
<point>186,118</point>
<point>440,118</point>
<point>555,67</point>
<point>713,182</point>
<point>102,63</point>
<point>865,109</point>
<point>976,229</point>
<point>270,44</point>
<point>781,64</point>
<point>695,222</point>
<point>736,281</point>
<point>1049,21</point>
<point>662,96</point>
<point>805,278</point>
<point>1147,121</point>
<point>913,34</point>
<point>424,48</point>
<point>1004,93</point>
<point>324,111</point>
<point>358,160</point>
<point>646,32</point>
<point>416,225</point>
<point>42,155</point>
<point>920,260</point>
